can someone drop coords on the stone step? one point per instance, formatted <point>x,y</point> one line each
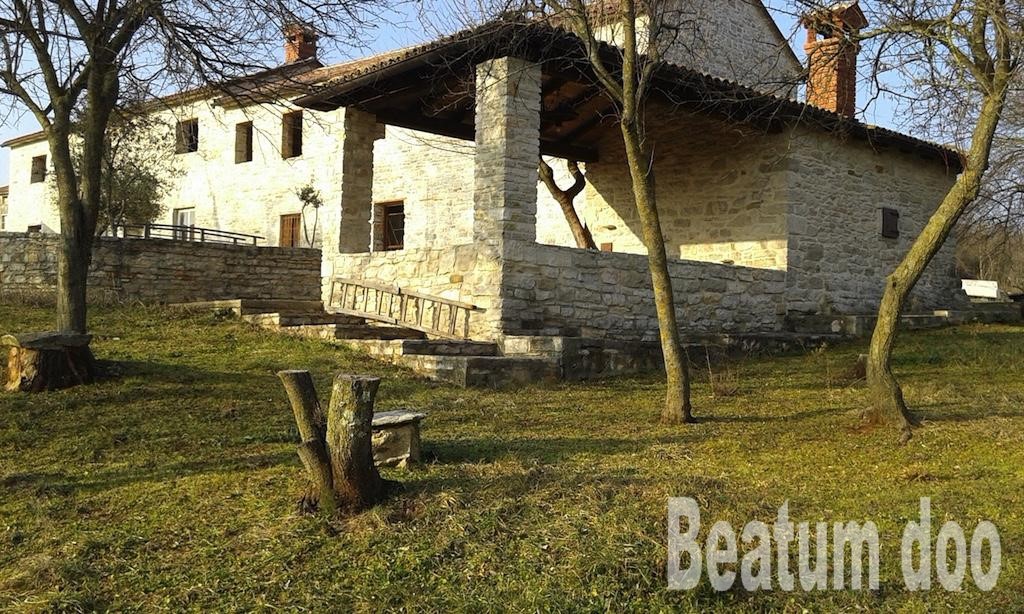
<point>274,321</point>
<point>991,313</point>
<point>419,347</point>
<point>919,321</point>
<point>382,332</point>
<point>482,371</point>
<point>247,306</point>
<point>343,332</point>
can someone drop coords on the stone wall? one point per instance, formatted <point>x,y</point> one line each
<point>721,192</point>
<point>838,258</point>
<point>552,290</point>
<point>161,271</point>
<point>560,290</point>
<point>457,272</point>
<point>733,39</point>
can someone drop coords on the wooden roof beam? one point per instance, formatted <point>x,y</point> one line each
<point>458,130</point>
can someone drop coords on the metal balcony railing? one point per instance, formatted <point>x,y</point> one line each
<point>182,233</point>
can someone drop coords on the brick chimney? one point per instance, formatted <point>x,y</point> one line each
<point>832,59</point>
<point>299,43</point>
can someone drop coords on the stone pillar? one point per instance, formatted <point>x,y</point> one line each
<point>361,130</point>
<point>507,150</point>
<point>505,177</point>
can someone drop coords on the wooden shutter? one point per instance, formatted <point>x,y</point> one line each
<point>291,135</point>
<point>38,169</point>
<point>243,142</point>
<point>890,223</point>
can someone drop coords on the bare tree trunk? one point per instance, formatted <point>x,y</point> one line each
<point>79,192</point>
<point>584,239</point>
<point>72,274</point>
<point>677,397</point>
<point>886,396</point>
<point>75,238</point>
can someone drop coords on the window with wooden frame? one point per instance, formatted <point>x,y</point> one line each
<point>291,135</point>
<point>392,225</point>
<point>187,136</point>
<point>243,142</point>
<point>291,230</point>
<point>38,169</point>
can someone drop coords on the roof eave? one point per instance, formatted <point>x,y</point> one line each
<point>25,139</point>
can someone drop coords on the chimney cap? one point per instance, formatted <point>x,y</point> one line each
<point>846,14</point>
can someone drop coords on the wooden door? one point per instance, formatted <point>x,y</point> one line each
<point>291,230</point>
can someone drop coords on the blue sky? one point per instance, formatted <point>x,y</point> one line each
<point>406,29</point>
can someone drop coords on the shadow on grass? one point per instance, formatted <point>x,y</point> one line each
<point>547,450</point>
<point>62,484</point>
<point>949,412</point>
<point>781,417</point>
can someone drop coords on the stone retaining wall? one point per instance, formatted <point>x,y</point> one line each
<point>162,271</point>
<point>550,290</point>
<point>560,290</point>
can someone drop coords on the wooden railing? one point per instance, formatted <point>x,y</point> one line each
<point>433,315</point>
<point>182,233</point>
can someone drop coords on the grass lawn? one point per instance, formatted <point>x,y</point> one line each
<point>174,485</point>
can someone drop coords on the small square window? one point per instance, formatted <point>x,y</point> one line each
<point>38,169</point>
<point>890,223</point>
<point>187,136</point>
<point>607,247</point>
<point>243,142</point>
<point>390,226</point>
<point>291,135</point>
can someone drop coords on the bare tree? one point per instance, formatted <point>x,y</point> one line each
<point>70,63</point>
<point>639,45</point>
<point>565,198</point>
<point>990,237</point>
<point>959,59</point>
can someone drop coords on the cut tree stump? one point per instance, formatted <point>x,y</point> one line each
<point>336,447</point>
<point>47,361</point>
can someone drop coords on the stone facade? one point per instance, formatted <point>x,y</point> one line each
<point>29,204</point>
<point>758,225</point>
<point>720,193</point>
<point>569,291</point>
<point>248,197</point>
<point>735,40</point>
<point>837,256</point>
<point>160,271</point>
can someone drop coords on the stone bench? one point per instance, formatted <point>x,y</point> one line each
<point>396,437</point>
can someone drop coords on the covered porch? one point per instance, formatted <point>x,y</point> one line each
<point>494,247</point>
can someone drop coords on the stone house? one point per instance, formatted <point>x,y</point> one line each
<point>426,158</point>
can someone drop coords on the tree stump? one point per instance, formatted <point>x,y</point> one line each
<point>336,447</point>
<point>47,361</point>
